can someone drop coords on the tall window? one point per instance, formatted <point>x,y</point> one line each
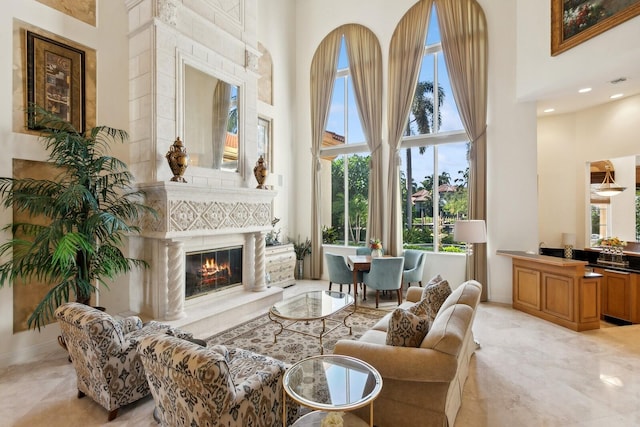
<point>346,155</point>
<point>435,169</point>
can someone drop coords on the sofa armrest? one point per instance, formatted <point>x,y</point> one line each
<point>414,294</point>
<point>402,363</point>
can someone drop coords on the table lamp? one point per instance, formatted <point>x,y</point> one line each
<point>568,241</point>
<point>469,231</point>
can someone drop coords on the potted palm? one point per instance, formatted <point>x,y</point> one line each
<point>77,220</point>
<point>302,249</point>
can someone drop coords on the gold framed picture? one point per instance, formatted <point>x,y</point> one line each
<point>576,21</point>
<point>55,80</point>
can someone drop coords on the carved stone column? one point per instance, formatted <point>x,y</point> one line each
<point>175,281</point>
<point>260,262</point>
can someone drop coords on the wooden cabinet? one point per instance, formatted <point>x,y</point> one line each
<point>620,295</point>
<point>280,264</point>
<point>555,289</point>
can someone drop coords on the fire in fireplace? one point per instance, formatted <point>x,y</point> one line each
<point>213,270</point>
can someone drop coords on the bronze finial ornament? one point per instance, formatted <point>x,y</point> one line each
<point>178,160</point>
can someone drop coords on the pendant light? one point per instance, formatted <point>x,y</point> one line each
<point>608,187</point>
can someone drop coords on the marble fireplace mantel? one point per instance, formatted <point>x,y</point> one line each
<point>193,217</point>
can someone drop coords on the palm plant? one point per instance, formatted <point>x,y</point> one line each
<point>422,109</point>
<point>88,208</point>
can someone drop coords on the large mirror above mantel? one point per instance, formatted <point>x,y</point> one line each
<point>211,119</point>
<point>617,215</point>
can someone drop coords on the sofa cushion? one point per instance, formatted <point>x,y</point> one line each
<point>448,331</point>
<point>467,293</point>
<point>435,295</point>
<point>406,329</point>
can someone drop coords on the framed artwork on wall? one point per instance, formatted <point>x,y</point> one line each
<point>55,80</point>
<point>576,21</point>
<point>265,146</point>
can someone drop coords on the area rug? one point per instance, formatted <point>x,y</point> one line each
<point>257,335</point>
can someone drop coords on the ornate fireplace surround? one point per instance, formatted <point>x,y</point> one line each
<point>215,208</point>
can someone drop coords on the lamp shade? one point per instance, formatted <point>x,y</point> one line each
<point>568,239</point>
<point>470,231</point>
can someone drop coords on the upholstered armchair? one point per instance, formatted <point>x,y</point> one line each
<point>413,266</point>
<point>339,272</point>
<point>213,386</point>
<point>103,351</point>
<point>385,275</point>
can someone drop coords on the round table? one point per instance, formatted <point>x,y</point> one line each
<point>331,383</point>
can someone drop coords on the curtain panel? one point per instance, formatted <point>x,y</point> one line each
<point>365,65</point>
<point>405,56</point>
<point>323,75</point>
<point>463,28</point>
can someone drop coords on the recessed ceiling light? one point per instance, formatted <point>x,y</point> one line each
<point>549,110</point>
<point>585,90</point>
<point>617,95</point>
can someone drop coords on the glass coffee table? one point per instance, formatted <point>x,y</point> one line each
<point>315,305</point>
<point>330,383</point>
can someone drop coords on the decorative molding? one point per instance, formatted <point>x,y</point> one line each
<point>251,61</point>
<point>186,215</point>
<point>167,11</point>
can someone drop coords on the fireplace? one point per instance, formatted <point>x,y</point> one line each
<point>212,270</point>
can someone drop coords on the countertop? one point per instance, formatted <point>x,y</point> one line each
<point>543,259</point>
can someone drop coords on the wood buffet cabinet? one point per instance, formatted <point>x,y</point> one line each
<point>556,289</point>
<point>620,294</point>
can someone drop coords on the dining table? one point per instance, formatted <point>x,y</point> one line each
<point>359,263</point>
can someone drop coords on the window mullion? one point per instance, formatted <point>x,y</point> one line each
<point>436,201</point>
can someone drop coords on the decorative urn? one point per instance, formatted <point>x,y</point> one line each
<point>260,172</point>
<point>178,160</point>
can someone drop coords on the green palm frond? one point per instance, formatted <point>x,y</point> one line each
<point>87,210</point>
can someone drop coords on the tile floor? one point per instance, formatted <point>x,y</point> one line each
<point>528,372</point>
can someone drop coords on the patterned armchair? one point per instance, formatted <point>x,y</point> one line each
<point>104,353</point>
<point>213,386</point>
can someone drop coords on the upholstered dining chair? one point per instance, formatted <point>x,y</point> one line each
<point>339,272</point>
<point>413,267</point>
<point>363,250</point>
<point>104,353</point>
<point>385,275</point>
<point>213,386</point>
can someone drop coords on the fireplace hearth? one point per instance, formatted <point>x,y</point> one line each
<point>212,270</point>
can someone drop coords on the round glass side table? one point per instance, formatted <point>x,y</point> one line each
<point>331,383</point>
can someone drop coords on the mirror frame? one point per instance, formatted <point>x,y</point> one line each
<point>184,60</point>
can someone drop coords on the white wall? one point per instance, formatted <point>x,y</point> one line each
<point>565,144</point>
<point>276,32</point>
<point>109,39</point>
<point>540,74</point>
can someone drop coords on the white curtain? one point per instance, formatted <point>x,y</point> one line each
<point>405,56</point>
<point>323,76</point>
<point>463,29</point>
<point>365,65</point>
<point>221,103</point>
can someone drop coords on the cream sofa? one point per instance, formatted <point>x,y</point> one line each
<point>421,386</point>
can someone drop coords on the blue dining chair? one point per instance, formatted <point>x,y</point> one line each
<point>413,266</point>
<point>363,250</point>
<point>385,275</point>
<point>339,271</point>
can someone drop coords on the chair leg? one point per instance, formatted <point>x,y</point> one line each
<point>364,292</point>
<point>80,394</point>
<point>340,287</point>
<point>330,284</point>
<point>399,296</point>
<point>112,415</point>
<point>377,297</point>
<point>420,283</point>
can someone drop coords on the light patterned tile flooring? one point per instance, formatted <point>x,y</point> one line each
<point>528,372</point>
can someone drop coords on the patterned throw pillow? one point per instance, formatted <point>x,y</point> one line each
<point>406,329</point>
<point>435,294</point>
<point>421,308</point>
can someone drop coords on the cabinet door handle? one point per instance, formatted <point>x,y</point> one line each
<point>626,273</point>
